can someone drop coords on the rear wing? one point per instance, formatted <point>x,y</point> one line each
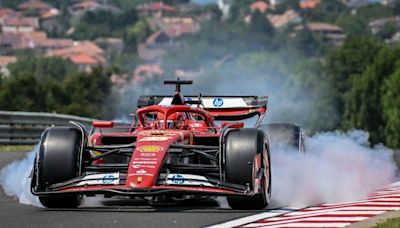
<point>221,107</point>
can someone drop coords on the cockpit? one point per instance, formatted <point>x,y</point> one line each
<point>181,118</point>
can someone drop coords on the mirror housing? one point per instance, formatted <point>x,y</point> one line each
<point>232,125</point>
<point>103,124</point>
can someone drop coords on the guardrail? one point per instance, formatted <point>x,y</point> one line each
<point>25,128</point>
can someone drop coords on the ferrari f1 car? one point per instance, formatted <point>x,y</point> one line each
<point>175,148</point>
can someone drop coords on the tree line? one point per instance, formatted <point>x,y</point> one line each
<point>51,84</point>
<point>365,75</point>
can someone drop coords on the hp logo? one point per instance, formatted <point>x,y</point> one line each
<point>218,102</point>
<point>108,179</point>
<point>178,179</point>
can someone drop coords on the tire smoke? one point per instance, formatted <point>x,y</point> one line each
<point>15,180</point>
<point>337,167</point>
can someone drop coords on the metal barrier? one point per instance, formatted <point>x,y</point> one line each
<point>25,128</point>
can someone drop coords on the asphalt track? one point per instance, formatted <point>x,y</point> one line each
<point>112,213</point>
<point>100,212</point>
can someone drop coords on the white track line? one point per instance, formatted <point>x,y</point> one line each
<point>312,218</point>
<point>336,210</point>
<point>315,221</point>
<point>376,203</point>
<point>329,214</point>
<point>320,217</point>
<point>360,208</point>
<point>309,225</point>
<point>254,218</point>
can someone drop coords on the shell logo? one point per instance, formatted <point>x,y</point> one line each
<point>150,148</point>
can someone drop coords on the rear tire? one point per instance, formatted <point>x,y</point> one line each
<point>58,162</point>
<point>284,135</point>
<point>241,148</point>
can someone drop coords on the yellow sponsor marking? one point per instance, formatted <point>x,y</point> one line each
<point>150,148</point>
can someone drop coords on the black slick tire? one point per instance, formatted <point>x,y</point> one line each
<point>241,148</point>
<point>57,162</point>
<point>284,135</point>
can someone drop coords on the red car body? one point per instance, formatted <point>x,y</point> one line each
<point>174,147</point>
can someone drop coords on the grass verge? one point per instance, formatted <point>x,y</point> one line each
<point>19,148</point>
<point>389,223</point>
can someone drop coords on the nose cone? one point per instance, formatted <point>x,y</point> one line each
<point>148,157</point>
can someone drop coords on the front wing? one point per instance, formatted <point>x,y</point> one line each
<point>111,184</point>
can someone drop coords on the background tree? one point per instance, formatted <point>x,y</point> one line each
<point>24,93</point>
<point>11,3</point>
<point>88,94</point>
<point>234,13</point>
<point>137,34</point>
<point>128,4</point>
<point>286,5</point>
<point>48,85</point>
<point>42,68</point>
<point>375,11</point>
<point>314,97</point>
<point>356,54</point>
<point>238,10</point>
<point>176,2</point>
<point>396,7</point>
<point>94,24</point>
<point>306,41</point>
<point>353,25</point>
<point>363,107</point>
<point>391,109</point>
<point>348,61</point>
<point>387,31</point>
<point>215,11</point>
<point>260,24</point>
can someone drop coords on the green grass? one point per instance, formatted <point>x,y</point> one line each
<point>390,223</point>
<point>20,148</point>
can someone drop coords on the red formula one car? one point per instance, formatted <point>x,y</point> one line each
<point>176,148</point>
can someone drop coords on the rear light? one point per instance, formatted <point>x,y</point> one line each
<point>103,124</point>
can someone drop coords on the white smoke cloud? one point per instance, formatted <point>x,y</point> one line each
<point>337,167</point>
<point>14,178</point>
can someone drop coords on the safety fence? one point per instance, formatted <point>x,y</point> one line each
<point>25,128</point>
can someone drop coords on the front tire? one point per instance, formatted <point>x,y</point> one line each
<point>241,149</point>
<point>57,160</point>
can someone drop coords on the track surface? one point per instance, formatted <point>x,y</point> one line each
<point>99,212</point>
<point>113,214</point>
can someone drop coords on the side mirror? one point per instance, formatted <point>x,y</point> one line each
<point>103,124</point>
<point>232,125</point>
<point>134,118</point>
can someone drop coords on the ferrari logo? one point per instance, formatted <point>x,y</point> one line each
<point>139,179</point>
